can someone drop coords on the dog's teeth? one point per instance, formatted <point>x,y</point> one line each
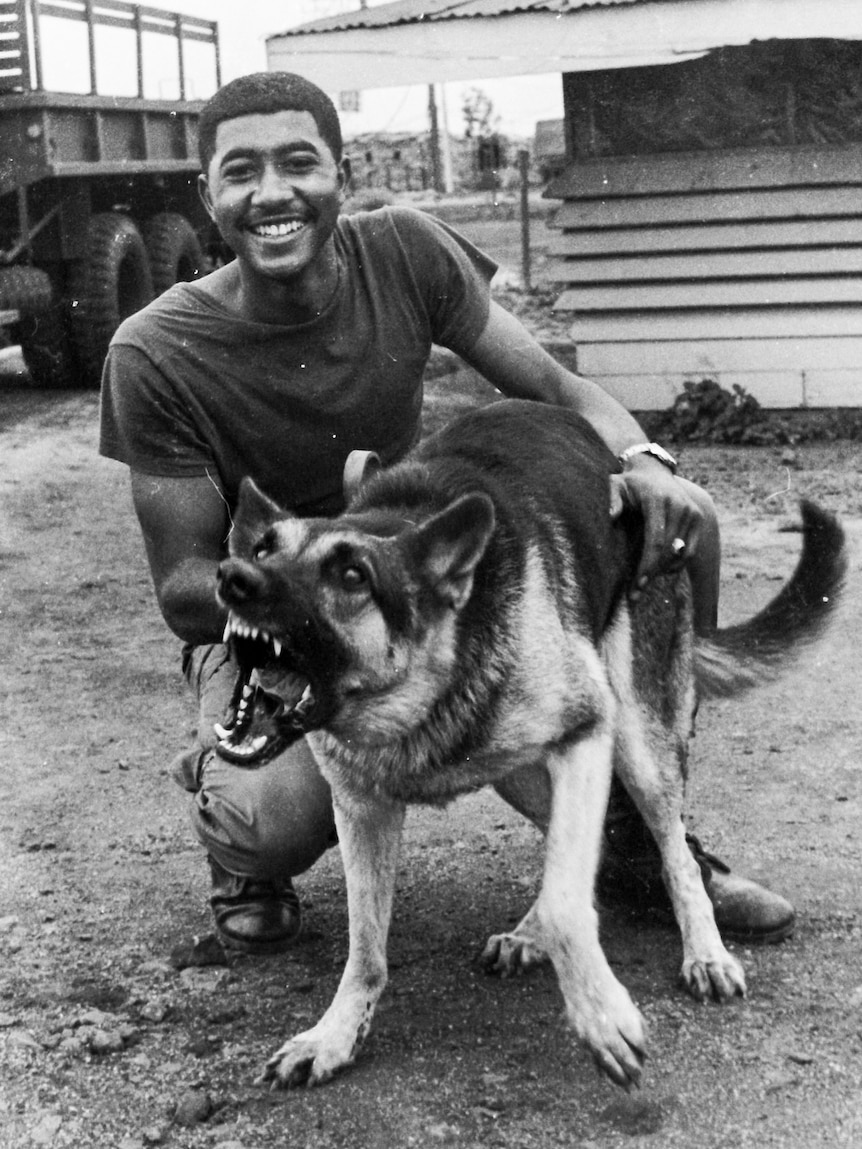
<point>227,631</point>
<point>247,692</point>
<point>276,646</point>
<point>257,743</point>
<point>222,734</point>
<point>254,632</point>
<point>305,701</point>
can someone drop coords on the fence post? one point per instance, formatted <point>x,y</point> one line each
<point>524,171</point>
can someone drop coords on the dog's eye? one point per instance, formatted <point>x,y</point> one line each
<point>265,546</point>
<point>353,577</point>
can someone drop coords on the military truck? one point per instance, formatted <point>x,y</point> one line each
<point>99,210</point>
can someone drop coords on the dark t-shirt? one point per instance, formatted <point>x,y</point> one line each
<point>190,389</point>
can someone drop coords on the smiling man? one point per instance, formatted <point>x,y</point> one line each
<point>313,342</point>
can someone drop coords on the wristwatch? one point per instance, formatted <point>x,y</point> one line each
<point>654,449</point>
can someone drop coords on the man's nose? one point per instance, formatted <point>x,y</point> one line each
<point>273,185</point>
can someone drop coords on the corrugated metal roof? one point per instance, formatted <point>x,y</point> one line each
<point>418,11</point>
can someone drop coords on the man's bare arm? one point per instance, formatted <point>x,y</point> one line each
<point>510,358</point>
<point>185,523</point>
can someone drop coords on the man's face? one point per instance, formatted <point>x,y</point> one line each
<point>274,190</point>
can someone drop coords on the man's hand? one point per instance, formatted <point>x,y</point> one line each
<point>672,519</point>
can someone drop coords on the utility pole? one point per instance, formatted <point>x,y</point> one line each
<point>436,166</point>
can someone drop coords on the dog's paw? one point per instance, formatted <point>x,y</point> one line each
<point>717,979</point>
<point>507,954</point>
<point>304,1060</point>
<point>612,1028</point>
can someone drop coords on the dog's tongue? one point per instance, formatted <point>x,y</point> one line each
<point>262,724</point>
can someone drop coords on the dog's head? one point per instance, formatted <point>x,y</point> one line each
<point>349,622</point>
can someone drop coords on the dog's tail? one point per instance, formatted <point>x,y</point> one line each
<point>737,657</point>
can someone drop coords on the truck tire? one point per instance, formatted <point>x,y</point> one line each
<point>111,283</point>
<point>25,289</point>
<point>43,327</point>
<point>175,252</point>
<point>46,345</point>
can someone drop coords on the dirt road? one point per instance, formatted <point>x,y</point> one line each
<point>105,1043</point>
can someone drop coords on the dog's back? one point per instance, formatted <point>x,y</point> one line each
<point>547,473</point>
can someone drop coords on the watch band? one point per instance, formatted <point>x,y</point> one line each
<point>654,449</point>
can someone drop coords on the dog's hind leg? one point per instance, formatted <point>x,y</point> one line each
<point>649,756</point>
<point>369,834</point>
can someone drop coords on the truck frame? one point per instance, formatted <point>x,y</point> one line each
<point>99,210</point>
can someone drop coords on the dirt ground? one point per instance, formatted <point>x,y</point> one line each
<point>105,1043</point>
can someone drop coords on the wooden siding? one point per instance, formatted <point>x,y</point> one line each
<point>743,266</point>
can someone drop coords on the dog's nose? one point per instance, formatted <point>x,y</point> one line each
<point>238,581</point>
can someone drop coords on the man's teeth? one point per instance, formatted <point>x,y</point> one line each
<point>244,630</point>
<point>277,230</point>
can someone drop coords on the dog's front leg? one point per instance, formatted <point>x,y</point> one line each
<point>598,1007</point>
<point>369,834</point>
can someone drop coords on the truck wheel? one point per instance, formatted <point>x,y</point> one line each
<point>43,327</point>
<point>25,289</point>
<point>112,282</point>
<point>175,252</point>
<point>46,346</point>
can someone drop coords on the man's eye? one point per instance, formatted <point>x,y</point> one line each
<point>237,172</point>
<point>298,164</point>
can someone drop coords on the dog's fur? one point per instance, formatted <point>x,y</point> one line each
<point>465,622</point>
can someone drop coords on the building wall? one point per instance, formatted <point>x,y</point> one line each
<point>776,94</point>
<point>712,225</point>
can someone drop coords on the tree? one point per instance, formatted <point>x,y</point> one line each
<point>480,122</point>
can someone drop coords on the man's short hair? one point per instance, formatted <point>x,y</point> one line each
<point>262,93</point>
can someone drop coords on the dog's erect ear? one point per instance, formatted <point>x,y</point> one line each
<point>255,513</point>
<point>448,547</point>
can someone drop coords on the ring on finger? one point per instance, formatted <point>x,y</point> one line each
<point>678,546</point>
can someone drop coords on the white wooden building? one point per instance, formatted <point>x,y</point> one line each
<point>718,246</point>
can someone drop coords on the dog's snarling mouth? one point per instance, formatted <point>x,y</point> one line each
<point>268,714</point>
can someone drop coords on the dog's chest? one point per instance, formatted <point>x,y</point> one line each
<point>551,686</point>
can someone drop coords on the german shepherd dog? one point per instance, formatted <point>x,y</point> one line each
<point>466,622</point>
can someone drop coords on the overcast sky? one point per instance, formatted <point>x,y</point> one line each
<point>245,24</point>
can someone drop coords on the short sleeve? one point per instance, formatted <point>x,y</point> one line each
<point>455,276</point>
<point>141,422</point>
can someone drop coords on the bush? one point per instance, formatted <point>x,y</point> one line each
<point>705,412</point>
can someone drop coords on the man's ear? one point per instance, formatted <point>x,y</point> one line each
<point>448,547</point>
<point>205,197</point>
<point>255,513</point>
<point>345,171</point>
